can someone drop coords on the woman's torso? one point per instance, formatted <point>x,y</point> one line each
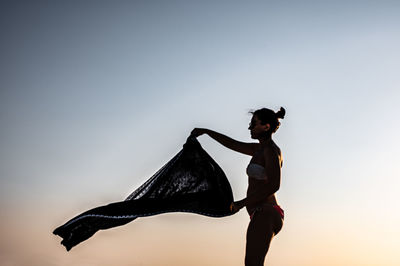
<point>254,183</point>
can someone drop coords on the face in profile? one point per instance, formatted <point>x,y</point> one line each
<point>257,130</point>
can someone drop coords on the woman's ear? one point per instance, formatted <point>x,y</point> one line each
<point>267,127</point>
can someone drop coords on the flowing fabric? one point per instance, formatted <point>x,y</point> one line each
<point>190,182</point>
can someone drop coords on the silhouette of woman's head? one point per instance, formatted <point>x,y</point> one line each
<point>266,116</point>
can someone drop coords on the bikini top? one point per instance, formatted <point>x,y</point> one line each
<point>256,171</point>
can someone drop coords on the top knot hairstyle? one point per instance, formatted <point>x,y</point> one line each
<point>268,116</point>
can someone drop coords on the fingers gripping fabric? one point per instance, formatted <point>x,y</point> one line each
<point>190,182</point>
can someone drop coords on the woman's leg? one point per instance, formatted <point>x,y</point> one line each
<point>262,227</point>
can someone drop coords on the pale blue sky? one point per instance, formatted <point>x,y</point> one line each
<point>96,96</point>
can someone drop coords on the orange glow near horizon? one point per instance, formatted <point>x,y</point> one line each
<point>186,239</point>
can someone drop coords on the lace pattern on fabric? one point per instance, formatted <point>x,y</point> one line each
<point>190,182</point>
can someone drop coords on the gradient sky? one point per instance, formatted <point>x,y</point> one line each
<point>95,96</point>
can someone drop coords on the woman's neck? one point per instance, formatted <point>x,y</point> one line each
<point>265,140</point>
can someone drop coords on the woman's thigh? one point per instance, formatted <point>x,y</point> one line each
<point>262,227</point>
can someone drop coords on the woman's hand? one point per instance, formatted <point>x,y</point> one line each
<point>198,131</point>
<point>236,206</point>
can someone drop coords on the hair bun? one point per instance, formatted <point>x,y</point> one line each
<point>281,113</point>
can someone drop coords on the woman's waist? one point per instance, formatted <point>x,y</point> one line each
<point>269,201</point>
<point>264,206</point>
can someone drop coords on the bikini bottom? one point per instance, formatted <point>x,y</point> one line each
<point>261,207</point>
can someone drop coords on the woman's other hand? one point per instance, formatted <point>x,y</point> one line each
<point>236,206</point>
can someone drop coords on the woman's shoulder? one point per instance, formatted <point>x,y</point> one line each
<point>272,152</point>
<point>271,147</point>
<point>276,148</point>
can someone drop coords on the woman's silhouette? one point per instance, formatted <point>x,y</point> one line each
<point>264,175</point>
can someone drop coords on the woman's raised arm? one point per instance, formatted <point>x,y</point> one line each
<point>242,147</point>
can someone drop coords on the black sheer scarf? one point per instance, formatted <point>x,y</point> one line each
<point>190,182</point>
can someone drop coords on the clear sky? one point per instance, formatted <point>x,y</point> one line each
<point>95,96</point>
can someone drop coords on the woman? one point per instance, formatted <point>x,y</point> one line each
<point>264,174</point>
